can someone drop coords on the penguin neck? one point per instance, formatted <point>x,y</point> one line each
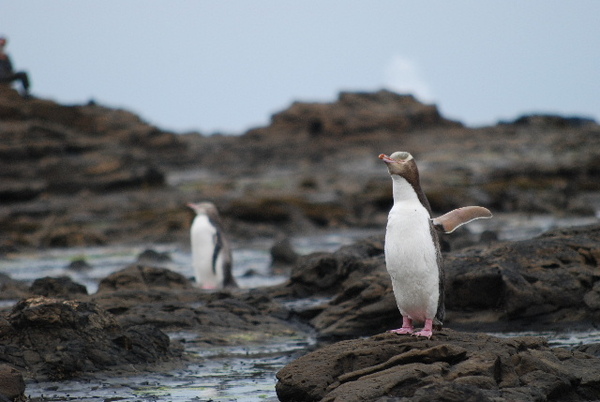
<point>404,191</point>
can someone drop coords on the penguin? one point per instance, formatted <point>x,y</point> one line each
<point>412,251</point>
<point>211,252</point>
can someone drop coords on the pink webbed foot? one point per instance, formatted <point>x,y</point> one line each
<point>407,327</point>
<point>427,330</point>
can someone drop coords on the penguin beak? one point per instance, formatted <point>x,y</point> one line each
<point>387,159</point>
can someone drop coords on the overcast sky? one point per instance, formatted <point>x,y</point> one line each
<point>228,65</point>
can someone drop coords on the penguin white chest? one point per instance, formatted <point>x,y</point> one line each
<point>204,240</point>
<point>411,256</point>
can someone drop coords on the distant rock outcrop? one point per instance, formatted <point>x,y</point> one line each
<point>91,175</point>
<point>49,148</point>
<point>357,114</point>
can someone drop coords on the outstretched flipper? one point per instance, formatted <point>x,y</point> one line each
<point>449,222</point>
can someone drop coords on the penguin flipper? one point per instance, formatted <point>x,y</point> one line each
<point>454,219</point>
<point>218,245</point>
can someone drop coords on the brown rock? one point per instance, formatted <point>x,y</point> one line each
<point>324,273</point>
<point>549,278</point>
<point>452,366</point>
<point>61,287</point>
<point>359,113</point>
<point>57,339</point>
<point>12,385</point>
<point>142,277</point>
<point>11,289</point>
<point>283,253</point>
<point>547,281</point>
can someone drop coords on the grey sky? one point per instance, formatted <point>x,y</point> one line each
<point>228,65</point>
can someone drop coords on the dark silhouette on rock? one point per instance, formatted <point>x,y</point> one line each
<point>7,73</point>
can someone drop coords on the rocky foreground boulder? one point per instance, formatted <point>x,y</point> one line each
<point>451,366</point>
<point>59,339</point>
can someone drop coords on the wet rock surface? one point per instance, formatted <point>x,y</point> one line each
<point>546,282</point>
<point>122,326</point>
<point>140,295</point>
<point>58,339</point>
<point>12,384</point>
<point>552,278</point>
<point>451,366</point>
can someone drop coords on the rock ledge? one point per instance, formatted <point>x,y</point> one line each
<point>452,366</point>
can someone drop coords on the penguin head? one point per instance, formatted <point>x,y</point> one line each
<point>401,164</point>
<point>203,208</point>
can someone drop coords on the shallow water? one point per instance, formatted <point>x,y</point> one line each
<point>233,373</point>
<point>564,339</point>
<point>218,373</point>
<point>250,257</point>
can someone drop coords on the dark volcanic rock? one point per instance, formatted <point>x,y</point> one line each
<point>12,385</point>
<point>283,253</point>
<point>325,273</point>
<point>550,280</point>
<point>452,366</point>
<point>142,277</point>
<point>61,287</point>
<point>153,257</point>
<point>79,264</point>
<point>11,289</point>
<point>58,339</point>
<point>140,295</point>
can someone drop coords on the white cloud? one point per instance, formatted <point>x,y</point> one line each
<point>402,75</point>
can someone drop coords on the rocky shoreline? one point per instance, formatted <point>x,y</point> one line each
<point>87,175</point>
<point>57,331</point>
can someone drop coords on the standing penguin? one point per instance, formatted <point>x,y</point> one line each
<point>211,252</point>
<point>412,252</point>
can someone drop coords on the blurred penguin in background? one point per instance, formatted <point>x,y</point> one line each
<point>211,251</point>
